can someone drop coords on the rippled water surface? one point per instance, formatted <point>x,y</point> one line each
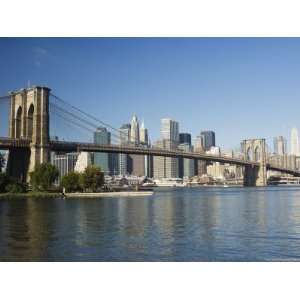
<point>185,224</point>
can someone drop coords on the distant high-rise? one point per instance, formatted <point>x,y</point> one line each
<point>65,163</point>
<point>185,138</point>
<point>280,147</point>
<point>295,150</point>
<point>186,166</point>
<point>102,160</point>
<point>144,139</point>
<point>165,167</point>
<point>135,130</point>
<point>209,139</point>
<point>169,130</point>
<point>124,161</point>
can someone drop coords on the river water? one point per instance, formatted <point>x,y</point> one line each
<point>175,224</point>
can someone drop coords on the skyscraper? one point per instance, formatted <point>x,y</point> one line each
<point>144,139</point>
<point>102,160</point>
<point>124,158</point>
<point>167,167</point>
<point>280,145</point>
<point>186,166</point>
<point>185,138</point>
<point>199,144</point>
<point>135,130</point>
<point>209,139</point>
<point>295,150</point>
<point>65,163</point>
<point>169,130</point>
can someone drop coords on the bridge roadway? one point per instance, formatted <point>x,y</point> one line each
<point>63,146</point>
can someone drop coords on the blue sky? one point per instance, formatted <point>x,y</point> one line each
<point>238,87</point>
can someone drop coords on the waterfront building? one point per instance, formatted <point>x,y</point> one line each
<point>295,150</point>
<point>216,170</point>
<point>83,161</point>
<point>102,160</point>
<point>209,139</point>
<point>65,163</point>
<point>185,138</point>
<point>137,163</point>
<point>169,130</point>
<point>280,145</point>
<point>214,151</point>
<point>186,166</point>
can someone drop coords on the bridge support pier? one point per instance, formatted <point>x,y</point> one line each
<point>29,119</point>
<point>255,175</point>
<point>18,163</point>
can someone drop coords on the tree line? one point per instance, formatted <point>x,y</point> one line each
<point>45,175</point>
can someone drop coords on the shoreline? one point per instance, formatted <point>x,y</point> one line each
<point>109,194</point>
<point>30,194</point>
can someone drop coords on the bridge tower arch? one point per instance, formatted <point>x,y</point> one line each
<point>255,150</point>
<point>29,119</point>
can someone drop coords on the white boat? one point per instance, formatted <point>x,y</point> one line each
<point>169,182</point>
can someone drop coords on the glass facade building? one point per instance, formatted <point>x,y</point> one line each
<point>102,160</point>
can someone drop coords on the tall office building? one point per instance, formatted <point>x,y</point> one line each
<point>200,165</point>
<point>83,161</point>
<point>165,167</point>
<point>144,139</point>
<point>124,160</point>
<point>186,166</point>
<point>295,150</point>
<point>65,163</point>
<point>135,130</point>
<point>102,160</point>
<point>209,139</point>
<point>280,147</point>
<point>185,138</point>
<point>169,130</point>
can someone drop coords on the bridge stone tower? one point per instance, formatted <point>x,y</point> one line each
<point>255,150</point>
<point>29,119</point>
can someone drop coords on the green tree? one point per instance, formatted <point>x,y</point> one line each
<point>2,161</point>
<point>15,187</point>
<point>71,182</point>
<point>92,179</point>
<point>43,177</point>
<point>4,181</point>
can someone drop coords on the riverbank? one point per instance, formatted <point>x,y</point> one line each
<point>30,195</point>
<point>109,194</point>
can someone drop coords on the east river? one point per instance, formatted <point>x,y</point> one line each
<point>175,224</point>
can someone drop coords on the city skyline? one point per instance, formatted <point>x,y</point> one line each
<point>202,83</point>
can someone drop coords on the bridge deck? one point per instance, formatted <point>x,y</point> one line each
<point>62,146</point>
<point>90,147</point>
<point>8,143</point>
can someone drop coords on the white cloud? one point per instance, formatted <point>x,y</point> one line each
<point>39,55</point>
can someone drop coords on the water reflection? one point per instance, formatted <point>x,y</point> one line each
<point>195,224</point>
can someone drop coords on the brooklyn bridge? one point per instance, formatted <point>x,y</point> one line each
<point>29,141</point>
